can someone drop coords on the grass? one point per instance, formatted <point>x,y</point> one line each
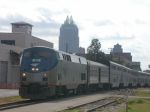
<point>75,110</point>
<point>142,93</point>
<point>10,99</point>
<point>138,105</point>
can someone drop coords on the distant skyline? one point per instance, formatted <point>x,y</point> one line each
<point>126,22</point>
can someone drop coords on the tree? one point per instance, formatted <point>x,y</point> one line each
<point>93,50</point>
<point>95,54</point>
<point>95,46</point>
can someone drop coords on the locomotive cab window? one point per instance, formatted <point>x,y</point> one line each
<point>38,59</point>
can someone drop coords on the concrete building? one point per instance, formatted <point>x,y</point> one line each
<point>68,38</point>
<point>21,36</point>
<point>147,70</point>
<point>81,50</point>
<point>118,55</point>
<point>135,66</point>
<point>124,58</point>
<point>117,49</point>
<point>11,44</point>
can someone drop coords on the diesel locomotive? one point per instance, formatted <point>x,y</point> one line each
<point>45,72</point>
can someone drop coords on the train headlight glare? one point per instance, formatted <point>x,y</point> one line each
<point>37,69</point>
<point>33,69</point>
<point>23,74</point>
<point>45,75</point>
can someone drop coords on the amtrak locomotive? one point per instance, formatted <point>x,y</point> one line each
<point>45,72</point>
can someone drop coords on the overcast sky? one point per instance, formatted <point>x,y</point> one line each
<point>126,22</point>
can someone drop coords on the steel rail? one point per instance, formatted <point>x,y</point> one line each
<point>103,105</point>
<point>15,104</point>
<point>92,102</point>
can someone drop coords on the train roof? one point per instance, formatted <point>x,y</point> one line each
<point>111,62</point>
<point>39,47</point>
<point>141,72</point>
<point>145,73</point>
<point>55,51</point>
<point>96,63</point>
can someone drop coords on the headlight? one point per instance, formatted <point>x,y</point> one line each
<point>45,75</point>
<point>23,74</point>
<point>33,69</point>
<point>37,69</point>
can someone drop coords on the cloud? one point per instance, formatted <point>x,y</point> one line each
<point>114,37</point>
<point>121,37</point>
<point>44,12</point>
<point>50,23</point>
<point>48,27</point>
<point>103,23</point>
<point>45,32</point>
<point>141,2</point>
<point>142,22</point>
<point>6,21</point>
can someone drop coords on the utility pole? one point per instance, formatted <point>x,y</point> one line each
<point>127,101</point>
<point>111,51</point>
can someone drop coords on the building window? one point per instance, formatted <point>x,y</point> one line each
<point>14,57</point>
<point>8,42</point>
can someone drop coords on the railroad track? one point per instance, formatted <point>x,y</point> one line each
<point>31,102</point>
<point>94,105</point>
<point>25,103</point>
<point>20,104</point>
<point>16,104</point>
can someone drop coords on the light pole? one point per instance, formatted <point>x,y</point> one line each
<point>127,101</point>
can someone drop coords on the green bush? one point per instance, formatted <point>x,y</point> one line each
<point>140,101</point>
<point>131,102</point>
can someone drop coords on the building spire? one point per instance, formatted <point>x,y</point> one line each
<point>67,20</point>
<point>71,20</point>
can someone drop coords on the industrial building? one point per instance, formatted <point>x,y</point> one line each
<point>124,58</point>
<point>11,45</point>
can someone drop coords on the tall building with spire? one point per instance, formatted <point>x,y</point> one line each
<point>117,49</point>
<point>68,38</point>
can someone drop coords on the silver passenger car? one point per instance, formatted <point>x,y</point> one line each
<point>98,75</point>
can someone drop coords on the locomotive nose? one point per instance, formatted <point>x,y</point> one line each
<point>34,77</point>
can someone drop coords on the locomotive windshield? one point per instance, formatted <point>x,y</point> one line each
<point>38,59</point>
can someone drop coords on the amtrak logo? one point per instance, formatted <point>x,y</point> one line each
<point>34,64</point>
